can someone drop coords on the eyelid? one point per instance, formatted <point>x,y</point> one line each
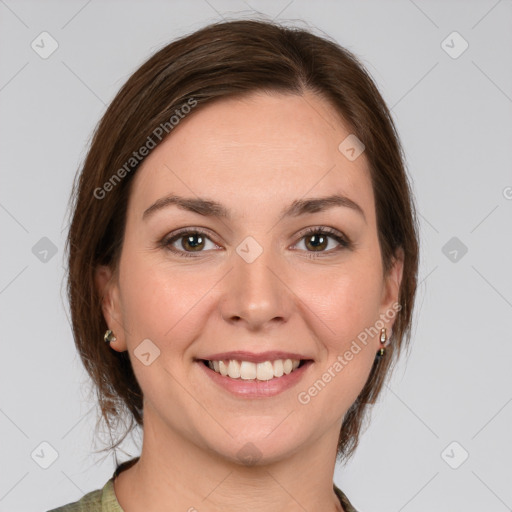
<point>189,229</point>
<point>179,233</point>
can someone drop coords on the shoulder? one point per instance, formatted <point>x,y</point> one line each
<point>345,503</point>
<point>100,500</point>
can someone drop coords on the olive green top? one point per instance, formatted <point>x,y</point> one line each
<point>104,500</point>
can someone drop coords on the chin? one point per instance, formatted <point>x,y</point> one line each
<point>258,444</point>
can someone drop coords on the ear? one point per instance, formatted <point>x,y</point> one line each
<point>391,290</point>
<point>108,291</point>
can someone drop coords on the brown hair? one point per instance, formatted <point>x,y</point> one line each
<point>218,61</point>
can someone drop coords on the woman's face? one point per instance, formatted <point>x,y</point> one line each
<point>253,286</point>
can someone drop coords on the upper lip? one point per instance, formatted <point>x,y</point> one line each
<point>242,355</point>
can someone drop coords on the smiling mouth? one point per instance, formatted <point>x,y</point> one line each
<point>247,370</point>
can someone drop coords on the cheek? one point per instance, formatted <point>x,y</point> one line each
<point>347,302</point>
<point>348,308</point>
<point>161,302</point>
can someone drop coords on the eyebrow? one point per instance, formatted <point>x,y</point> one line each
<point>212,208</point>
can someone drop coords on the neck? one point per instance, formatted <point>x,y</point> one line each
<point>172,469</point>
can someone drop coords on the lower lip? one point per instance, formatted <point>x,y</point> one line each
<point>256,388</point>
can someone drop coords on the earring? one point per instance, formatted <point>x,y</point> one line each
<point>382,350</point>
<point>109,336</point>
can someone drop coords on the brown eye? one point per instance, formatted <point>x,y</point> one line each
<point>187,242</point>
<point>318,240</point>
<point>193,242</point>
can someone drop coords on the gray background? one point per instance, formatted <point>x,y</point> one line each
<point>454,117</point>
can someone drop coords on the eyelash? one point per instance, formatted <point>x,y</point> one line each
<point>344,241</point>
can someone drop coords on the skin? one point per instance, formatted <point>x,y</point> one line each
<point>254,155</point>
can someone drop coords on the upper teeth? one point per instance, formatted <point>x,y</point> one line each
<point>247,370</point>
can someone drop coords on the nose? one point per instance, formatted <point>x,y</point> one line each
<point>255,292</point>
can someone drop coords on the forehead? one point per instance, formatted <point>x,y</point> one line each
<point>268,148</point>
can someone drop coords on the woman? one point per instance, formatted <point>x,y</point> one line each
<point>244,240</point>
